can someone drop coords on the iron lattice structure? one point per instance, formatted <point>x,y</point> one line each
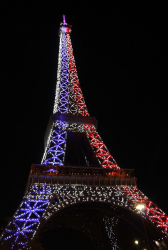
<point>62,181</point>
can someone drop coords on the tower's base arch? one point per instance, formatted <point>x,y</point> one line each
<point>107,226</point>
<point>47,206</point>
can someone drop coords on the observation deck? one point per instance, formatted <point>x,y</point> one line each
<point>77,175</point>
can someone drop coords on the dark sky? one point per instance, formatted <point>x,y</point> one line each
<point>121,58</point>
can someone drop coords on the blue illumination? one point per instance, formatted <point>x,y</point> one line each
<point>56,150</point>
<point>25,222</point>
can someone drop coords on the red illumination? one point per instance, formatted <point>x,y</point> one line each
<point>105,158</point>
<point>90,127</point>
<point>74,80</point>
<point>153,212</point>
<point>66,29</point>
<point>115,173</point>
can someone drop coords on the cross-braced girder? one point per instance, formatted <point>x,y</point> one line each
<point>74,80</point>
<point>150,210</point>
<point>22,226</point>
<point>69,98</point>
<point>56,144</point>
<point>55,149</point>
<point>105,158</point>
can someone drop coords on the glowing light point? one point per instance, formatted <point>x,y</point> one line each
<point>136,242</point>
<point>140,207</point>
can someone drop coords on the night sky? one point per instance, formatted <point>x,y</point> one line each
<point>121,57</point>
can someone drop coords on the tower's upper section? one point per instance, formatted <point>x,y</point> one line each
<point>71,137</point>
<point>68,98</point>
<point>64,27</point>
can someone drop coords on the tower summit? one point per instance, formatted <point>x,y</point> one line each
<point>78,181</point>
<point>69,98</point>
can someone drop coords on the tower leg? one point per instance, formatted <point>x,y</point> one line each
<point>110,232</point>
<point>24,224</point>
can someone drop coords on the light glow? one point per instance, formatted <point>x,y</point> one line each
<point>140,206</point>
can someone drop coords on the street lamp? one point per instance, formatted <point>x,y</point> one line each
<point>136,242</point>
<point>140,207</point>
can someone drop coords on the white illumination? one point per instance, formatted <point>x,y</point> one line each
<point>140,206</point>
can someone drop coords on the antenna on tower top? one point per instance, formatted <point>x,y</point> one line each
<point>64,22</point>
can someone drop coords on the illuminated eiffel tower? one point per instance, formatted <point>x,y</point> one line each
<point>78,183</point>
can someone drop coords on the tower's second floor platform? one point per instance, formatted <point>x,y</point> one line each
<point>77,175</point>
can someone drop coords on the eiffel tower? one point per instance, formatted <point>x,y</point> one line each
<point>78,183</point>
